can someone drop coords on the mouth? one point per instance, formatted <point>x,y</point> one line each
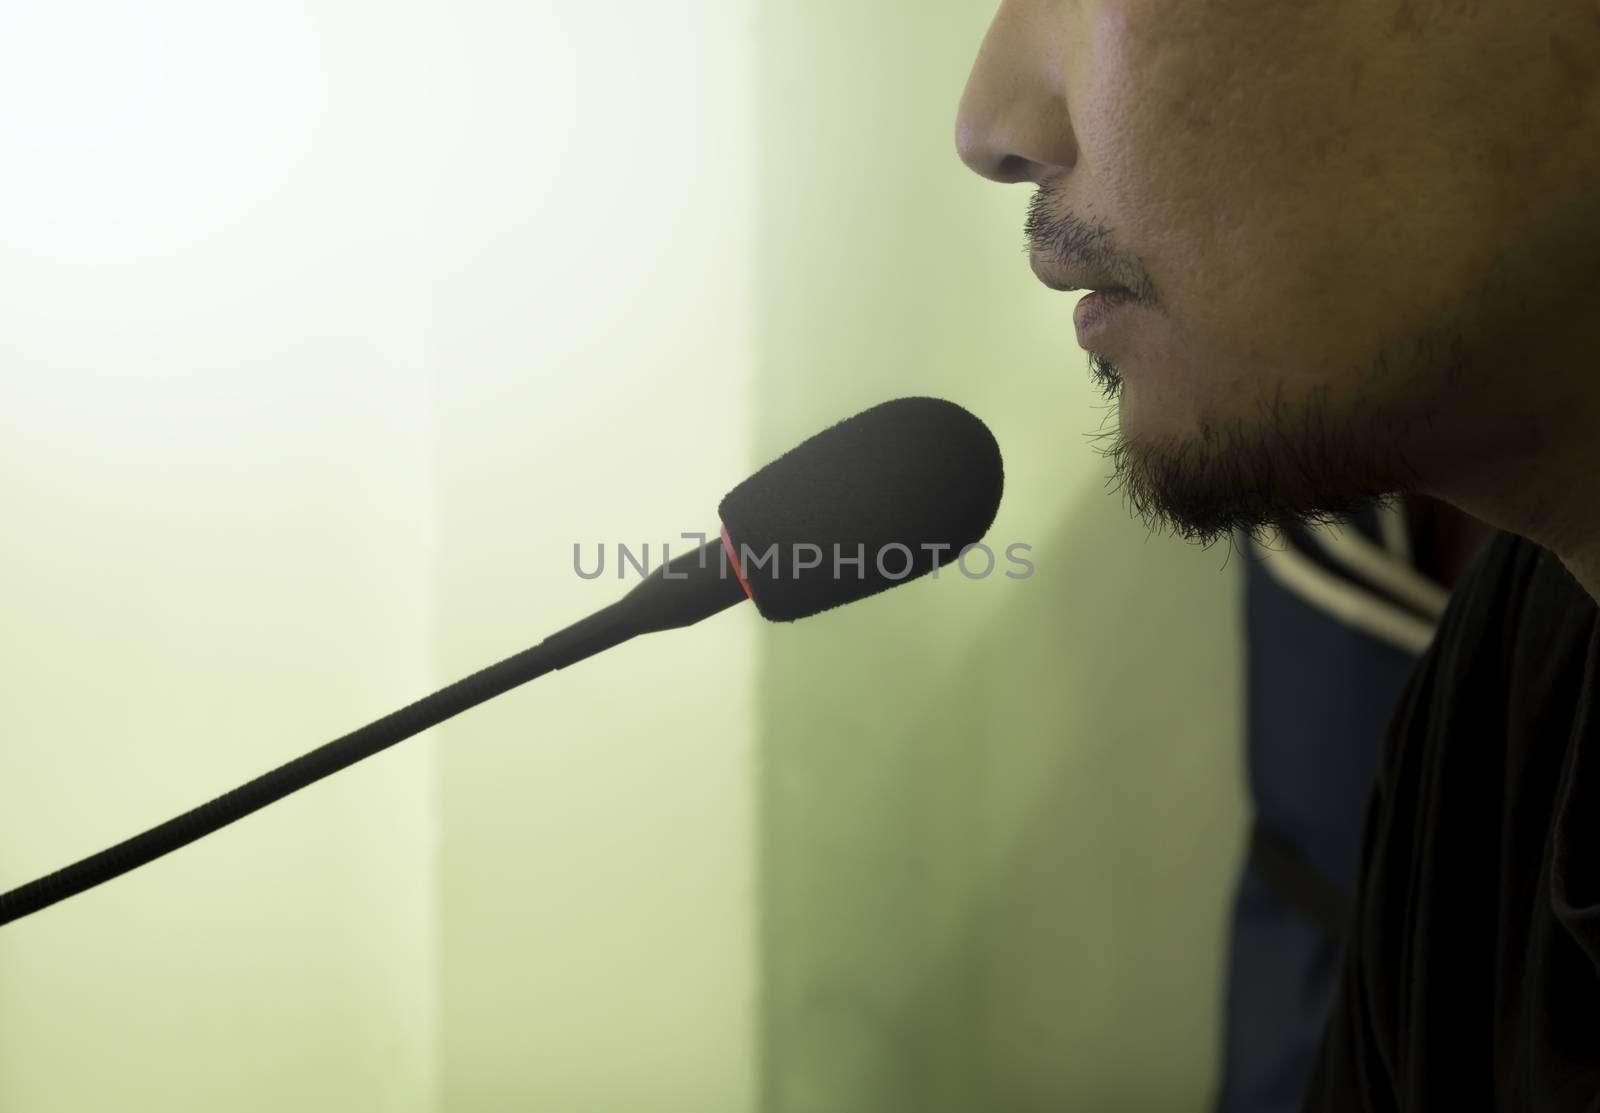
<point>1067,280</point>
<point>1096,312</point>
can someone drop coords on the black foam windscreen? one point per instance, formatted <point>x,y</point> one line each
<point>874,501</point>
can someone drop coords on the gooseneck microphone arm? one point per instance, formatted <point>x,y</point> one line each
<point>918,475</point>
<point>693,586</point>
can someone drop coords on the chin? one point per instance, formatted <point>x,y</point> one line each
<point>1167,420</point>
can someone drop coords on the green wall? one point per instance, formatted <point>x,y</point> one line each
<point>217,514</point>
<point>998,818</point>
<point>591,346</point>
<point>299,423</point>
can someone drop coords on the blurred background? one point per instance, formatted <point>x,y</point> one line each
<point>326,333</point>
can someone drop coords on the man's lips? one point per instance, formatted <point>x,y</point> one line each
<point>1066,279</point>
<point>1095,313</point>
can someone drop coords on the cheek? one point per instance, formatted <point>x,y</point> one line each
<point>1110,90</point>
<point>1147,84</point>
<point>1210,164</point>
<point>1205,118</point>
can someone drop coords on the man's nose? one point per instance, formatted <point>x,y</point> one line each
<point>1013,124</point>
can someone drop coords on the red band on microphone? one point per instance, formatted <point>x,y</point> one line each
<point>733,558</point>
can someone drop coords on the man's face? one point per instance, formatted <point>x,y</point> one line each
<point>1351,230</point>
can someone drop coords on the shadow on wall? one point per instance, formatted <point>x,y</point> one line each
<point>998,857</point>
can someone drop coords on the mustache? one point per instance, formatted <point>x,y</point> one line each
<point>1080,245</point>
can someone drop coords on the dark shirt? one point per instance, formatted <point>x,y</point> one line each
<point>1472,973</point>
<point>1336,617</point>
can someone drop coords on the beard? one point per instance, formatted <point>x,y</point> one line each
<point>1292,459</point>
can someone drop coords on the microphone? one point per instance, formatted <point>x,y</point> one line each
<point>893,487</point>
<point>886,492</point>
